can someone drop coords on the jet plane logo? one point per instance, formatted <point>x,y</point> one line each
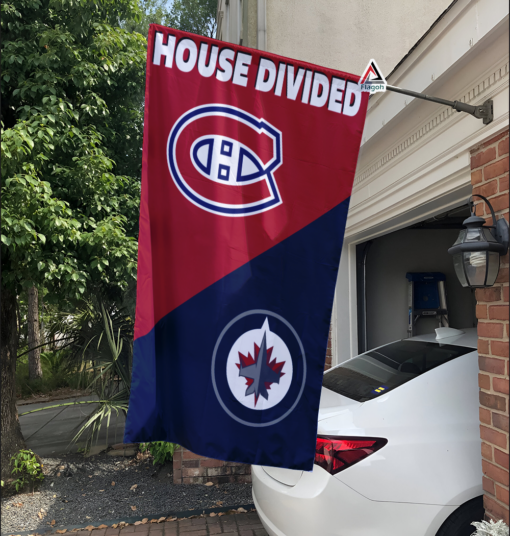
<point>258,368</point>
<point>216,145</point>
<point>260,371</point>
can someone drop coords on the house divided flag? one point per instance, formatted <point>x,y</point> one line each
<point>248,166</point>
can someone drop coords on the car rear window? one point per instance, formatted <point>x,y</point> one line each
<point>369,375</point>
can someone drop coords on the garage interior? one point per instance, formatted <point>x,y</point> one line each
<point>382,287</point>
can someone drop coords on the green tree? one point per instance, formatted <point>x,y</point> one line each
<point>195,16</point>
<point>151,12</point>
<point>72,117</point>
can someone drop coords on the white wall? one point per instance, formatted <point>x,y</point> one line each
<point>346,34</point>
<point>389,259</point>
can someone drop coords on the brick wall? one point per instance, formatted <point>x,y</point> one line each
<point>329,352</point>
<point>191,468</point>
<point>489,176</point>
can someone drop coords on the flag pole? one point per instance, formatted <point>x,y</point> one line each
<point>484,111</point>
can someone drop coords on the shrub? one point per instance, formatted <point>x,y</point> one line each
<point>484,528</point>
<point>26,468</point>
<point>161,451</point>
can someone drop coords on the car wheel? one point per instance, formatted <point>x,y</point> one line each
<point>459,523</point>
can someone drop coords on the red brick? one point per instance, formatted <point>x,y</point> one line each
<point>484,382</point>
<point>487,451</point>
<point>488,485</point>
<point>193,471</point>
<point>499,203</point>
<point>481,312</point>
<point>503,184</point>
<point>492,401</point>
<point>188,455</point>
<point>490,330</point>
<point>502,276</point>
<point>191,463</point>
<point>495,509</point>
<point>493,436</point>
<point>483,346</point>
<point>483,157</point>
<point>485,416</point>
<point>494,170</point>
<point>503,147</point>
<point>497,312</point>
<point>211,463</point>
<point>500,421</point>
<point>491,294</point>
<point>486,189</point>
<point>495,473</point>
<point>502,494</point>
<point>479,208</point>
<point>193,531</point>
<point>499,348</point>
<point>501,458</point>
<point>506,293</point>
<point>492,141</point>
<point>490,364</point>
<point>500,385</point>
<point>476,177</point>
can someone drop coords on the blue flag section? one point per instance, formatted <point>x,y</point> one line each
<point>189,400</point>
<point>248,166</point>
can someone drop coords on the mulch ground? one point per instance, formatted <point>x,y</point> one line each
<point>78,490</point>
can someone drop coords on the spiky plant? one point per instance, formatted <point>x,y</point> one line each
<point>489,528</point>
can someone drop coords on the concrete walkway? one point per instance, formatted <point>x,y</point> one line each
<point>50,432</point>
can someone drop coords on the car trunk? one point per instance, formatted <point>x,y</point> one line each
<point>331,404</point>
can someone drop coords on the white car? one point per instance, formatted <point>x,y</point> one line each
<point>398,447</point>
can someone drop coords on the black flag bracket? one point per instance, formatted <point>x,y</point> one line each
<point>484,111</point>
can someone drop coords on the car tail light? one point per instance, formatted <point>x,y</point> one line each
<point>334,454</point>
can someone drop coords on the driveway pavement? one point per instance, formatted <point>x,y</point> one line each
<point>230,525</point>
<point>50,432</point>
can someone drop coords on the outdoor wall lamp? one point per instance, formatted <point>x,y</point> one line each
<point>478,248</point>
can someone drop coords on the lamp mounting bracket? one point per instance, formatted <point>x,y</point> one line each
<point>499,228</point>
<point>483,111</point>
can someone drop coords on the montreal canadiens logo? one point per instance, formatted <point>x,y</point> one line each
<point>259,368</point>
<point>218,144</point>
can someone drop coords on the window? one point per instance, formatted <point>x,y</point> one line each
<point>369,375</point>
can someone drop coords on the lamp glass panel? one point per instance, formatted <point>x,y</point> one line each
<point>489,236</point>
<point>474,235</point>
<point>493,269</point>
<point>475,264</point>
<point>461,237</point>
<point>459,269</point>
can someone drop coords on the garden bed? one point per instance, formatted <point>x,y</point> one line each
<point>78,490</point>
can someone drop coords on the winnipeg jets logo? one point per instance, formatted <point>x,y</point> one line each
<point>227,146</point>
<point>261,371</point>
<point>258,368</point>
